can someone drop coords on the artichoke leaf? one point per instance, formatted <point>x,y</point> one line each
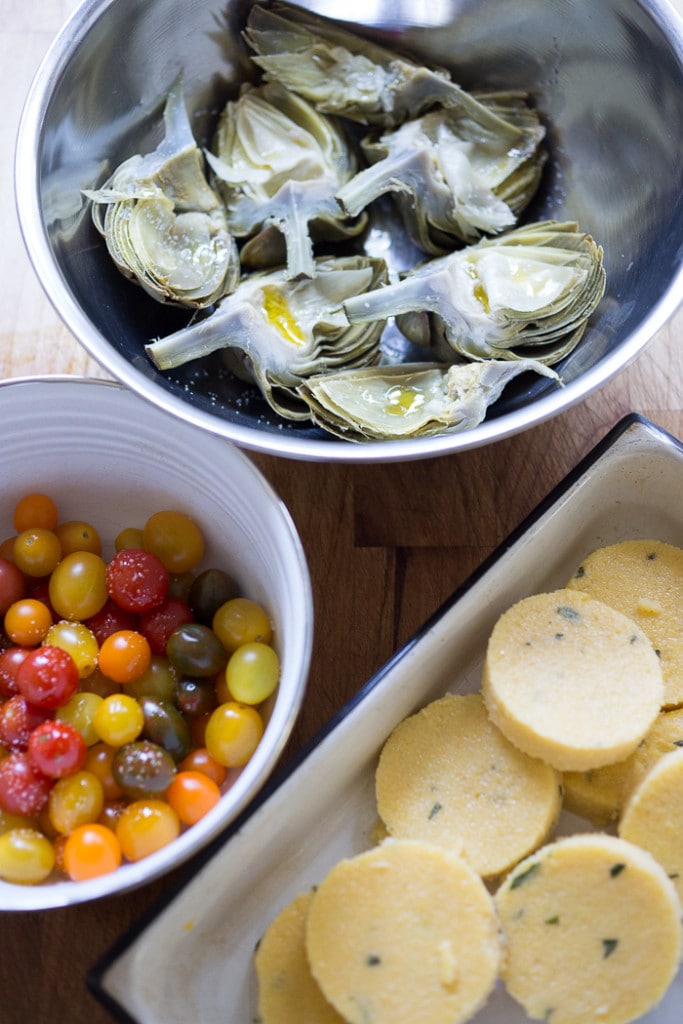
<point>164,226</point>
<point>278,163</point>
<point>450,175</point>
<point>390,403</point>
<point>531,289</point>
<point>345,74</point>
<point>277,331</point>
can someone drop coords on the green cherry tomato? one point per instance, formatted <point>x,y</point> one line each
<point>195,650</point>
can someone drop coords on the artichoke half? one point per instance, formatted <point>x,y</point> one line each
<point>525,294</point>
<point>277,331</point>
<point>164,226</point>
<point>278,164</point>
<point>391,403</point>
<point>344,74</point>
<point>453,179</point>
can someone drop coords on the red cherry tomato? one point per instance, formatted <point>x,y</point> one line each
<point>10,660</point>
<point>47,677</point>
<point>56,749</point>
<point>12,584</point>
<point>18,719</point>
<point>23,789</point>
<point>137,580</point>
<point>158,624</point>
<point>111,619</point>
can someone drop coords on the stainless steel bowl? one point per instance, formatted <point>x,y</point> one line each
<point>606,76</point>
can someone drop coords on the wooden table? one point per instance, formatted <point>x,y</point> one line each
<point>386,544</point>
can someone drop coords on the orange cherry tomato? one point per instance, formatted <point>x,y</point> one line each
<point>35,510</point>
<point>124,656</point>
<point>27,621</point>
<point>192,795</point>
<point>90,851</point>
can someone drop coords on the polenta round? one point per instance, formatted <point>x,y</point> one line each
<point>447,775</point>
<point>653,815</point>
<point>287,991</point>
<point>404,932</point>
<point>600,794</point>
<point>570,680</point>
<point>644,580</point>
<point>592,931</point>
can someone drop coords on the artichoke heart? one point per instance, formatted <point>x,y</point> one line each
<point>277,331</point>
<point>278,163</point>
<point>345,74</point>
<point>453,180</point>
<point>390,403</point>
<point>526,294</point>
<point>164,226</point>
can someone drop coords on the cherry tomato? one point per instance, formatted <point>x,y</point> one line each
<point>23,789</point>
<point>165,725</point>
<point>146,826</point>
<point>56,749</point>
<point>26,856</point>
<point>129,537</point>
<point>124,656</point>
<point>143,769</point>
<point>192,795</point>
<point>76,535</point>
<point>12,584</point>
<point>198,724</point>
<point>9,821</point>
<point>78,586</point>
<point>10,660</point>
<point>110,619</point>
<point>200,760</point>
<point>158,624</point>
<point>75,800</point>
<point>79,641</point>
<point>79,712</point>
<point>37,551</point>
<point>100,684</point>
<point>241,621</point>
<point>232,734</point>
<point>35,510</point>
<point>195,696</point>
<point>99,761</point>
<point>90,851</point>
<point>27,621</point>
<point>47,677</point>
<point>137,580</point>
<point>118,719</point>
<point>252,673</point>
<point>7,548</point>
<point>18,719</point>
<point>159,680</point>
<point>111,812</point>
<point>175,538</point>
<point>195,650</point>
<point>179,585</point>
<point>208,591</point>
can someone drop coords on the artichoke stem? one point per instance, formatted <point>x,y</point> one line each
<point>397,173</point>
<point>419,292</point>
<point>198,339</point>
<point>293,223</point>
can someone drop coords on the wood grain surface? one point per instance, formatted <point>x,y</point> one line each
<point>386,544</point>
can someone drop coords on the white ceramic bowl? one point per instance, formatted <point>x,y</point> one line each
<point>112,459</point>
<point>605,75</point>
